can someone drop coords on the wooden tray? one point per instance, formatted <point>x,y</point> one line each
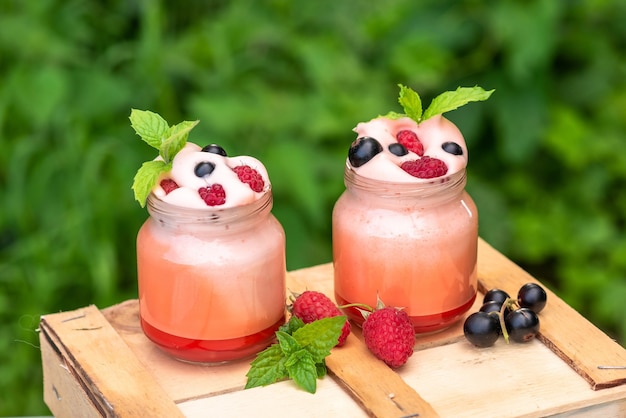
<point>99,363</point>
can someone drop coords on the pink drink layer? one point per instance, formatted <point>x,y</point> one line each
<point>410,241</point>
<point>211,285</point>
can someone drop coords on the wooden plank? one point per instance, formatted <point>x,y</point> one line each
<point>104,366</point>
<point>570,335</point>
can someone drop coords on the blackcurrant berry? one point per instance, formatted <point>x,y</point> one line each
<point>362,150</point>
<point>214,149</point>
<point>532,296</point>
<point>481,329</point>
<point>497,295</point>
<point>398,149</point>
<point>204,169</point>
<point>522,325</point>
<point>452,148</point>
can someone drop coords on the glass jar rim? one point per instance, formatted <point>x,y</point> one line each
<point>392,189</point>
<point>211,215</point>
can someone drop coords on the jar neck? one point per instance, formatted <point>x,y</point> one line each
<point>211,219</point>
<point>426,192</point>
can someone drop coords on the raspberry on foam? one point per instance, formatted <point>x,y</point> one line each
<point>213,195</point>
<point>410,141</point>
<point>251,177</point>
<point>168,185</point>
<point>425,168</point>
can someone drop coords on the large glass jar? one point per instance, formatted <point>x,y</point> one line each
<point>413,245</point>
<point>211,281</point>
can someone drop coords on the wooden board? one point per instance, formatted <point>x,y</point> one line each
<point>99,363</point>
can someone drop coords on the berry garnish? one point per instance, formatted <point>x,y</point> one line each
<point>522,325</point>
<point>452,148</point>
<point>389,335</point>
<point>362,150</point>
<point>497,295</point>
<point>532,296</point>
<point>425,167</point>
<point>168,185</point>
<point>397,149</point>
<point>482,329</point>
<point>213,195</point>
<point>251,177</point>
<point>311,306</point>
<point>203,169</point>
<point>214,149</point>
<point>410,141</point>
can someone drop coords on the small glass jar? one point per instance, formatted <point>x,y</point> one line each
<point>211,281</point>
<point>413,245</point>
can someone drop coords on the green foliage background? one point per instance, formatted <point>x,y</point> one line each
<point>286,81</point>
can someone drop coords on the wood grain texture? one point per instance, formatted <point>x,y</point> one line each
<point>104,366</point>
<point>570,335</point>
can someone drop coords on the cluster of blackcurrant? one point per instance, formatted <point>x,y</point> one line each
<point>515,319</point>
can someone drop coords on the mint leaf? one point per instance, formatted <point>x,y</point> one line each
<point>292,325</point>
<point>268,367</point>
<point>302,370</point>
<point>287,343</point>
<point>150,126</point>
<point>411,103</point>
<point>451,100</point>
<point>176,139</point>
<point>321,369</point>
<point>146,177</point>
<point>319,337</point>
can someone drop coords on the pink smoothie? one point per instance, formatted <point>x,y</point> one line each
<point>410,241</point>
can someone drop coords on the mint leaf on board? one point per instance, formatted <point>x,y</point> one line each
<point>410,102</point>
<point>451,100</point>
<point>150,126</point>
<point>299,353</point>
<point>268,367</point>
<point>176,139</point>
<point>302,370</point>
<point>319,337</point>
<point>146,177</point>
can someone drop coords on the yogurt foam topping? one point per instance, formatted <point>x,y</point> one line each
<point>237,192</point>
<point>433,133</point>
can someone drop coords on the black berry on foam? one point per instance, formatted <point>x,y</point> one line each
<point>214,149</point>
<point>398,149</point>
<point>204,169</point>
<point>452,148</point>
<point>362,150</point>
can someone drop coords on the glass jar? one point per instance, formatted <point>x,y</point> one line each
<point>211,281</point>
<point>414,245</point>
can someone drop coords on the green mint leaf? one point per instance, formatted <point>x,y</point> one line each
<point>302,370</point>
<point>451,100</point>
<point>411,102</point>
<point>292,325</point>
<point>287,343</point>
<point>394,115</point>
<point>268,367</point>
<point>176,139</point>
<point>146,177</point>
<point>150,126</point>
<point>319,337</point>
<point>321,369</point>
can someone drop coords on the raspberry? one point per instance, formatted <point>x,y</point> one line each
<point>311,306</point>
<point>425,167</point>
<point>389,335</point>
<point>410,141</point>
<point>251,177</point>
<point>168,185</point>
<point>213,195</point>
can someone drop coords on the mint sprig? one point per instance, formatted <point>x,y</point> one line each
<point>168,140</point>
<point>299,354</point>
<point>445,102</point>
